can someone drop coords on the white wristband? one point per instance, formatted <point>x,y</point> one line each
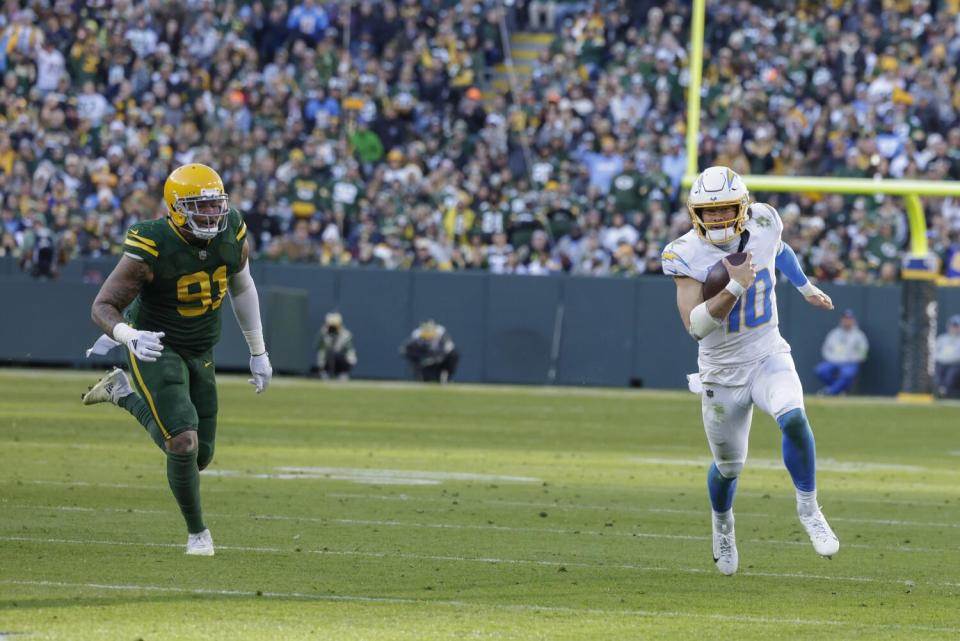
<point>123,332</point>
<point>808,289</point>
<point>735,288</point>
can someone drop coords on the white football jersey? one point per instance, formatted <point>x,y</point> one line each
<point>750,333</point>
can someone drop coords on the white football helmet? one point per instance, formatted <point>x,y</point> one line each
<point>718,187</point>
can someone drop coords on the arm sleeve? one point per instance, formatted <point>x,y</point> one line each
<point>246,307</point>
<point>789,265</point>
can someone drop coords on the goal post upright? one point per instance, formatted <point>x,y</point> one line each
<point>693,86</point>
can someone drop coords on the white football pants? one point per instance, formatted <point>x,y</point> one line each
<point>773,386</point>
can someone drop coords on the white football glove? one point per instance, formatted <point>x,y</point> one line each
<point>261,370</point>
<point>146,346</point>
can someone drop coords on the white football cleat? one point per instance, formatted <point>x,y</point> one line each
<point>825,542</point>
<point>200,544</point>
<point>109,389</point>
<point>725,548</point>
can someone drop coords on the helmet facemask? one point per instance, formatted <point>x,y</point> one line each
<point>204,216</point>
<point>720,232</point>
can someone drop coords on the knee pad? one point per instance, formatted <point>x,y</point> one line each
<point>730,469</point>
<point>182,443</point>
<point>793,422</point>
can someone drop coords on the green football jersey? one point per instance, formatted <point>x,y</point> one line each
<point>189,281</point>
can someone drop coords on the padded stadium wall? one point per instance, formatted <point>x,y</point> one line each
<point>509,329</point>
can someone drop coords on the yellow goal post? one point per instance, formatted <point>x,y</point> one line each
<point>920,273</point>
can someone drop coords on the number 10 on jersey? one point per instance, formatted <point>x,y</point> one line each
<point>755,306</point>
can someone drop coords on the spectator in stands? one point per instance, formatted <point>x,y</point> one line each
<point>946,356</point>
<point>51,67</point>
<point>308,21</point>
<point>844,350</point>
<point>431,353</point>
<point>604,166</point>
<point>336,356</point>
<point>790,88</point>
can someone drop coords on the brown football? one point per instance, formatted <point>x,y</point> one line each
<point>718,277</point>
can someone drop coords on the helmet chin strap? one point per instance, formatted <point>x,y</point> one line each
<point>720,237</point>
<point>729,245</point>
<point>717,235</point>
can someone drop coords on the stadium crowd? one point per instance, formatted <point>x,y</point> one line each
<point>367,133</point>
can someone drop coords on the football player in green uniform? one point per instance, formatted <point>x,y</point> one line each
<point>163,301</point>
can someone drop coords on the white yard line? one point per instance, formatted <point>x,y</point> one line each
<point>457,526</point>
<point>139,486</point>
<point>141,544</point>
<point>823,464</point>
<point>372,475</point>
<point>405,497</point>
<point>832,518</point>
<point>609,508</point>
<point>438,476</point>
<point>487,560</point>
<point>674,614</point>
<point>76,508</point>
<point>505,528</point>
<point>154,487</point>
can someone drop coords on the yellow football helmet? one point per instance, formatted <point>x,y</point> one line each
<point>718,187</point>
<point>196,200</point>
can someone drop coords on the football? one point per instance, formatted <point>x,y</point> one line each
<point>718,277</point>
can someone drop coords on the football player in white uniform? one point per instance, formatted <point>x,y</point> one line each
<point>743,360</point>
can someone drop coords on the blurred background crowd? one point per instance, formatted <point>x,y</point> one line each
<point>389,134</point>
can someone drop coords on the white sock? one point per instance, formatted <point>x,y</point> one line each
<point>723,521</point>
<point>807,502</point>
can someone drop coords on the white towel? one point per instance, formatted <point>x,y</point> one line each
<point>693,382</point>
<point>103,345</point>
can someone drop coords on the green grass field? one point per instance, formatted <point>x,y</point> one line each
<point>366,511</point>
